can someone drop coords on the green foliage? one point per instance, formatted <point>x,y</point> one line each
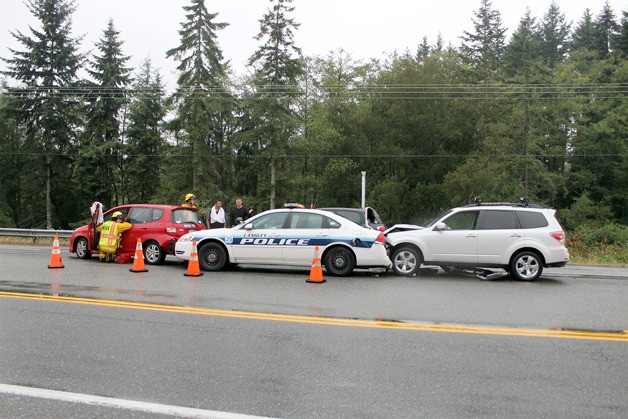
<point>536,116</point>
<point>584,213</point>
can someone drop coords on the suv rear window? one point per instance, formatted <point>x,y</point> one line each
<point>499,220</point>
<point>530,219</point>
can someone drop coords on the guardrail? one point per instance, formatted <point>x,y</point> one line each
<point>25,232</point>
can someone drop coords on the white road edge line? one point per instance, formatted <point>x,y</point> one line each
<point>179,411</point>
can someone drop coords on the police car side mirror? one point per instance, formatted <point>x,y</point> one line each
<point>249,226</point>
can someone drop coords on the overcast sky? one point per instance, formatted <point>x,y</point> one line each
<point>364,28</point>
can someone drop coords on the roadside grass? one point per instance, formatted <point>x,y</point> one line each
<point>39,241</point>
<point>600,254</point>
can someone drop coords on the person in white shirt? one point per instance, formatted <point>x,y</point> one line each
<point>216,216</point>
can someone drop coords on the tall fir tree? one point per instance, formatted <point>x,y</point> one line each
<point>607,31</point>
<point>522,58</point>
<point>554,33</point>
<point>203,104</point>
<point>483,48</point>
<point>98,164</point>
<point>47,68</point>
<point>622,38</point>
<point>277,65</point>
<point>583,36</point>
<point>145,139</point>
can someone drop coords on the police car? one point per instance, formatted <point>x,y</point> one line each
<point>288,237</point>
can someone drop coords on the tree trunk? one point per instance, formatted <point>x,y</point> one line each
<point>272,181</point>
<point>48,191</point>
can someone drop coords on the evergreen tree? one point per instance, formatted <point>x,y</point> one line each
<point>98,163</point>
<point>423,50</point>
<point>554,33</point>
<point>277,66</point>
<point>145,138</point>
<point>47,68</point>
<point>203,105</point>
<point>522,54</point>
<point>584,35</point>
<point>607,31</point>
<point>484,48</point>
<point>622,38</point>
<point>523,50</point>
<point>12,166</point>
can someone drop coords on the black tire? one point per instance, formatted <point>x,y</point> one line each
<point>406,261</point>
<point>153,253</point>
<point>526,266</point>
<point>82,249</point>
<point>212,257</point>
<point>339,261</point>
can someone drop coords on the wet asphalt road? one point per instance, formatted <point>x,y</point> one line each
<point>289,369</point>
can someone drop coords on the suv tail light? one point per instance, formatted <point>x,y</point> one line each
<point>382,228</point>
<point>380,239</point>
<point>559,236</point>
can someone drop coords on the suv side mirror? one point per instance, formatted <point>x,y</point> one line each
<point>440,227</point>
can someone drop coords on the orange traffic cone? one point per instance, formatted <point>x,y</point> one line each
<point>55,257</point>
<point>316,273</point>
<point>138,262</point>
<point>193,267</point>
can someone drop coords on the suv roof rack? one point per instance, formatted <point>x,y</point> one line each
<point>523,202</point>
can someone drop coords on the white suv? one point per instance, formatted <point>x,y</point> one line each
<point>519,238</point>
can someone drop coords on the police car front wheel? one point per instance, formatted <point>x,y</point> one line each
<point>212,257</point>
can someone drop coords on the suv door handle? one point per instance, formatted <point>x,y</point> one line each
<point>471,236</point>
<point>516,235</point>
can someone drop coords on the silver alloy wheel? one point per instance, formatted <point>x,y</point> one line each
<point>153,253</point>
<point>406,261</point>
<point>82,251</point>
<point>527,266</point>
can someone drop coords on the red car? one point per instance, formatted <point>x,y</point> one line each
<point>159,227</point>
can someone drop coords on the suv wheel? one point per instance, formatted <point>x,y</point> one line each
<point>406,261</point>
<point>526,266</point>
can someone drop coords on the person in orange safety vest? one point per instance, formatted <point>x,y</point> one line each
<point>110,232</point>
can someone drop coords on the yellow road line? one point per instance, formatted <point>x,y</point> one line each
<point>621,335</point>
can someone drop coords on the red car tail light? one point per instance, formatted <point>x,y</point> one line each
<point>559,236</point>
<point>380,239</point>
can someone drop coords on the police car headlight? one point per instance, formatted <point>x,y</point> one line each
<point>187,238</point>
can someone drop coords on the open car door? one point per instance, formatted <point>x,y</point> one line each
<point>92,235</point>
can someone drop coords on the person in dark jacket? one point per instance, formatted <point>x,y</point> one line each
<point>238,212</point>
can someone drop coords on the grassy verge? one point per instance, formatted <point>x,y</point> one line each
<point>39,241</point>
<point>599,254</point>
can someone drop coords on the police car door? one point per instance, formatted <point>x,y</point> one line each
<point>258,240</point>
<point>305,231</point>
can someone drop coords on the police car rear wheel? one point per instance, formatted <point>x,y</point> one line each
<point>212,257</point>
<point>339,261</point>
